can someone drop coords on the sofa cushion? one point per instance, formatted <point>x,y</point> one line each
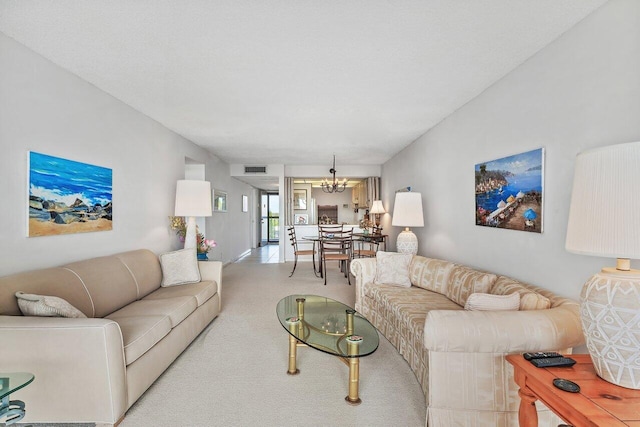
<point>109,283</point>
<point>177,309</point>
<point>46,306</point>
<point>392,268</point>
<point>179,267</point>
<point>529,299</point>
<point>429,273</point>
<point>489,302</point>
<point>201,291</point>
<point>464,281</point>
<point>141,333</point>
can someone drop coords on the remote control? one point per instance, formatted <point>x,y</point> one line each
<point>541,355</point>
<point>553,361</point>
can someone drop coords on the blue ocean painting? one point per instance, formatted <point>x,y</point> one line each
<point>509,192</point>
<point>66,196</point>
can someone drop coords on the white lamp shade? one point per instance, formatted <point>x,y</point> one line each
<point>407,210</point>
<point>604,217</point>
<point>377,207</point>
<point>193,198</point>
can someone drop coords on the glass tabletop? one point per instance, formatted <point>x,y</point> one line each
<point>327,325</point>
<point>11,382</point>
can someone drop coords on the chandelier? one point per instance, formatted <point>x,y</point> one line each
<point>335,186</point>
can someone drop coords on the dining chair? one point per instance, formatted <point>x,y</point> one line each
<point>296,251</point>
<point>367,246</point>
<point>336,246</point>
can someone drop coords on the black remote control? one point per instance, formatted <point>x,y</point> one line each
<point>553,361</point>
<point>541,355</point>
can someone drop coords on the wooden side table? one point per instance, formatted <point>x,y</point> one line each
<point>599,403</point>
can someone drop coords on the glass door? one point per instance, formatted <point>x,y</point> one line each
<point>273,217</point>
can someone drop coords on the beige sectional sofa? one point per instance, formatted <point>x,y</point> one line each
<point>456,354</point>
<point>93,369</point>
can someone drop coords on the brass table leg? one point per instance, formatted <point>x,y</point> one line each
<point>354,375</point>
<point>354,381</point>
<point>293,347</point>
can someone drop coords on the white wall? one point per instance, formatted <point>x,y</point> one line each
<point>581,91</point>
<point>49,110</point>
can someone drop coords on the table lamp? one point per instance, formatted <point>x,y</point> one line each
<point>193,198</point>
<point>604,221</point>
<point>377,209</point>
<point>407,212</point>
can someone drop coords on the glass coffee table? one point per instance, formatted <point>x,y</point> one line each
<point>12,410</point>
<point>331,327</point>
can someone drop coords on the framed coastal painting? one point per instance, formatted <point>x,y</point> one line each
<point>300,200</point>
<point>510,192</point>
<point>219,201</point>
<point>301,219</point>
<point>68,197</point>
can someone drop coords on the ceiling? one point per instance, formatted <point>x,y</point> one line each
<point>292,81</point>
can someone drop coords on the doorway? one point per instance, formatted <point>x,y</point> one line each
<point>270,221</point>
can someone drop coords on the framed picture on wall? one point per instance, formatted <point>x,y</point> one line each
<point>300,200</point>
<point>219,201</point>
<point>301,219</point>
<point>509,192</point>
<point>66,196</point>
<point>245,203</point>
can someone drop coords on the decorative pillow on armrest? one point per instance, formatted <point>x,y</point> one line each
<point>392,268</point>
<point>179,267</point>
<point>489,302</point>
<point>46,306</point>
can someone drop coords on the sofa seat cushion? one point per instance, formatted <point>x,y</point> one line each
<point>202,291</point>
<point>176,309</point>
<point>141,333</point>
<point>400,314</point>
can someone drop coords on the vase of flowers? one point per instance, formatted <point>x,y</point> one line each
<point>203,245</point>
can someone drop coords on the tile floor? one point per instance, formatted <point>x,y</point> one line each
<point>264,255</point>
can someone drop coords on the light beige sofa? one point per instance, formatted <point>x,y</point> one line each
<point>93,369</point>
<point>456,354</point>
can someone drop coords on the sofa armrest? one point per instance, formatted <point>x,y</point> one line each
<point>212,270</point>
<point>78,364</point>
<point>503,331</point>
<point>364,270</point>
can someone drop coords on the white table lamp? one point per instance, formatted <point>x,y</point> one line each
<point>377,209</point>
<point>193,198</point>
<point>604,221</point>
<point>407,212</point>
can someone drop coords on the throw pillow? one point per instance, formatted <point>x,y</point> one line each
<point>464,281</point>
<point>489,302</point>
<point>46,306</point>
<point>392,268</point>
<point>529,299</point>
<point>179,267</point>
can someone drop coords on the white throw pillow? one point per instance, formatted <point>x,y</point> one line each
<point>489,302</point>
<point>46,306</point>
<point>392,268</point>
<point>179,267</point>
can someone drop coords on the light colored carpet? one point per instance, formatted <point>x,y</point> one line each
<point>234,373</point>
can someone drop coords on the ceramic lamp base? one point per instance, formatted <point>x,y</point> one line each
<point>610,315</point>
<point>407,242</point>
